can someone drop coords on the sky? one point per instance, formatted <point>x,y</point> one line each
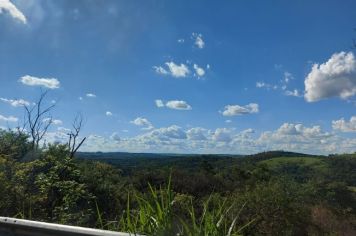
<point>185,76</point>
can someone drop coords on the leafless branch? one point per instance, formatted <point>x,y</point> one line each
<point>73,144</point>
<point>38,120</point>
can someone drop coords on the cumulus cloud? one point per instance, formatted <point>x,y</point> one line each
<point>9,118</point>
<point>235,110</point>
<point>299,138</point>
<point>15,102</point>
<point>7,6</point>
<point>334,78</point>
<point>173,69</point>
<point>288,137</point>
<point>178,105</point>
<point>314,132</point>
<point>50,83</point>
<point>140,121</point>
<point>199,71</point>
<point>197,133</point>
<point>159,103</point>
<point>91,95</point>
<point>108,113</point>
<point>345,126</point>
<point>171,132</point>
<point>180,40</point>
<point>222,135</point>
<point>178,71</point>
<point>198,40</point>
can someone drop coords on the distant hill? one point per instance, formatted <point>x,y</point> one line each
<point>129,162</point>
<point>273,154</point>
<point>123,155</point>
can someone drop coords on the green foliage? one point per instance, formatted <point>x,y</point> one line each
<point>14,144</point>
<point>273,193</point>
<point>60,190</point>
<point>154,214</point>
<point>216,218</point>
<point>280,206</point>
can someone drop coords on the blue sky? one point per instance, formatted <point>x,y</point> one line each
<point>185,76</point>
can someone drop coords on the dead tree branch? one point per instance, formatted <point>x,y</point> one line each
<point>73,144</point>
<point>38,120</point>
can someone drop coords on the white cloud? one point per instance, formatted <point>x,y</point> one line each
<point>9,118</point>
<point>178,105</point>
<point>260,84</point>
<point>266,85</point>
<point>159,103</point>
<point>199,42</point>
<point>115,136</point>
<point>108,113</point>
<point>197,133</point>
<point>63,130</point>
<point>91,95</point>
<point>140,121</point>
<point>222,135</point>
<point>171,132</point>
<point>178,71</point>
<point>57,122</point>
<point>160,70</point>
<point>7,6</point>
<point>294,93</point>
<point>80,98</point>
<point>180,40</point>
<point>281,86</point>
<point>234,110</point>
<point>228,121</point>
<point>334,78</point>
<point>16,102</point>
<point>345,126</point>
<point>288,137</point>
<point>50,83</point>
<point>200,72</point>
<point>53,121</point>
<point>299,138</point>
<point>173,69</point>
<point>287,77</point>
<point>248,131</point>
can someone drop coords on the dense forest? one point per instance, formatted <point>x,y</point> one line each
<point>270,193</point>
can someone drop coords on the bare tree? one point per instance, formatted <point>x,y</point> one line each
<point>73,142</point>
<point>38,120</point>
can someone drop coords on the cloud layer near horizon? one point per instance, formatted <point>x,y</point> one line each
<point>289,137</point>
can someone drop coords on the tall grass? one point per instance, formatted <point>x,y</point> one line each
<point>217,218</point>
<point>153,214</point>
